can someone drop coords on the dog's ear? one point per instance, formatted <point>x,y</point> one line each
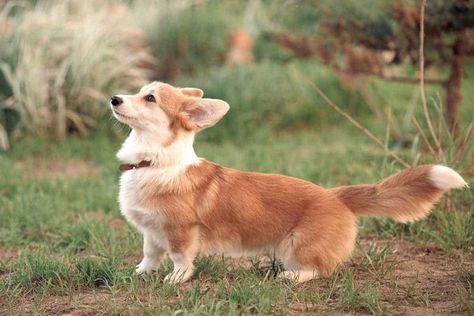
<point>204,113</point>
<point>192,92</point>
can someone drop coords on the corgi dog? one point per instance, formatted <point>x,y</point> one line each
<point>185,205</point>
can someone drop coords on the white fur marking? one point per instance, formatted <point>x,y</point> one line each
<point>299,275</point>
<point>446,178</point>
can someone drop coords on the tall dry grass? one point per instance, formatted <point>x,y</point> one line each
<point>64,60</point>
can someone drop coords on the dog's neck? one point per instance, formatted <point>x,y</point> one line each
<point>142,146</point>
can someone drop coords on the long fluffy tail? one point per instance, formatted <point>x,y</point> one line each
<point>406,196</point>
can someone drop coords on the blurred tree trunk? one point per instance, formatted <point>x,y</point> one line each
<point>453,85</point>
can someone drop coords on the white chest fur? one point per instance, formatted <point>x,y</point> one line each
<point>130,197</point>
<point>147,221</point>
<point>130,203</point>
<point>167,165</point>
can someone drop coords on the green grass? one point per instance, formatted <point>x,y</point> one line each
<point>72,246</point>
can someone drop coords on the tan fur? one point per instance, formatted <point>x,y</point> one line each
<point>404,197</point>
<point>202,207</point>
<point>255,212</point>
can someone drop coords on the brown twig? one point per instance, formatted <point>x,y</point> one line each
<point>462,145</point>
<point>422,83</point>
<point>380,114</point>
<point>355,123</point>
<point>401,79</point>
<point>404,79</point>
<point>362,89</point>
<point>423,135</point>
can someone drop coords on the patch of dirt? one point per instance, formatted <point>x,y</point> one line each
<point>40,167</point>
<point>8,253</point>
<point>83,304</point>
<point>424,279</point>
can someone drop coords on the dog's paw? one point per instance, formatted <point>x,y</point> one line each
<point>298,276</point>
<point>178,276</point>
<point>144,267</point>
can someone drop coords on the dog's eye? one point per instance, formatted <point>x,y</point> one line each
<point>150,98</point>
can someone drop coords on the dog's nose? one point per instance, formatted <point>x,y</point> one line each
<point>116,101</point>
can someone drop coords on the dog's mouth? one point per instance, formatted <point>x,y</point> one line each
<point>117,113</point>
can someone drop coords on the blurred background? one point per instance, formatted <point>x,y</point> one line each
<point>61,60</point>
<point>297,75</point>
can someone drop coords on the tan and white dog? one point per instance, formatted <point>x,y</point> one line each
<point>185,205</point>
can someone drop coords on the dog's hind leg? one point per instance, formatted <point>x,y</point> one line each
<point>299,275</point>
<point>294,270</point>
<point>316,246</point>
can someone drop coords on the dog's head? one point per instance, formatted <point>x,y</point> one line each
<point>166,111</point>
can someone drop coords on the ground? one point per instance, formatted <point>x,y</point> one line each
<point>66,250</point>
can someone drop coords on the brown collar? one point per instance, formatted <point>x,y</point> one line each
<point>130,166</point>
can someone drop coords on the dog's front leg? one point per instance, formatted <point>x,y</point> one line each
<point>184,247</point>
<point>152,254</point>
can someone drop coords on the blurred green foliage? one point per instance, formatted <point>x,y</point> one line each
<point>189,38</point>
<point>269,97</point>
